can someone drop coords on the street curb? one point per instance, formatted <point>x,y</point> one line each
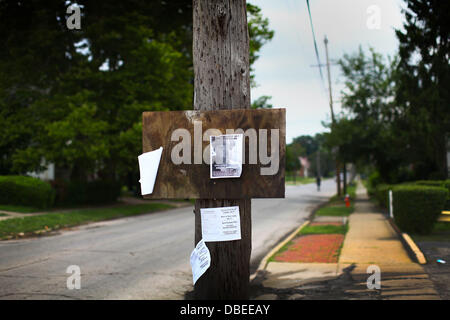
<point>265,261</point>
<point>411,247</point>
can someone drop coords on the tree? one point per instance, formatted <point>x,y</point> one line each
<point>33,55</point>
<point>397,111</point>
<point>116,66</point>
<point>308,143</point>
<point>127,58</point>
<point>324,155</point>
<point>259,33</point>
<point>262,103</point>
<point>293,152</point>
<point>366,132</point>
<point>309,146</point>
<point>423,77</point>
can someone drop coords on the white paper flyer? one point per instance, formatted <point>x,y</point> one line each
<point>148,167</point>
<point>200,260</point>
<point>226,156</point>
<point>220,224</point>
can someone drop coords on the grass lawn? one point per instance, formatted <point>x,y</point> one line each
<point>52,221</point>
<point>351,190</point>
<point>335,211</point>
<point>324,229</point>
<point>3,214</point>
<point>21,209</point>
<point>441,232</point>
<point>289,180</point>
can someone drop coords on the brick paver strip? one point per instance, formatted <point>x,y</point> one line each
<point>313,248</point>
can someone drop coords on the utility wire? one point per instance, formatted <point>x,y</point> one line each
<point>315,43</point>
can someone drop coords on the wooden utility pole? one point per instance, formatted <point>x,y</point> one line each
<point>333,120</point>
<point>344,169</point>
<point>222,81</point>
<point>318,169</point>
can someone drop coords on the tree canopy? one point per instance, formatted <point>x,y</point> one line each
<point>313,148</point>
<point>396,111</point>
<point>423,78</point>
<point>75,97</point>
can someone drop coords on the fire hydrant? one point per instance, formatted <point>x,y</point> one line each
<point>347,200</point>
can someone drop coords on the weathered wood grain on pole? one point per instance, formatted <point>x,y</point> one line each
<point>221,67</point>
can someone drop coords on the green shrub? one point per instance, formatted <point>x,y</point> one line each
<point>447,186</point>
<point>103,191</point>
<point>373,181</point>
<point>26,191</point>
<point>82,193</point>
<point>438,183</point>
<point>416,207</point>
<point>351,190</point>
<point>382,194</point>
<point>430,183</point>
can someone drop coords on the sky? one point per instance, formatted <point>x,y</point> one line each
<point>284,69</point>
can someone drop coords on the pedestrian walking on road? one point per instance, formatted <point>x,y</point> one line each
<point>318,183</point>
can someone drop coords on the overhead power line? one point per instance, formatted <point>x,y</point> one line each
<point>315,43</point>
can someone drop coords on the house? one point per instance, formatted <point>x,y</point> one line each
<point>304,170</point>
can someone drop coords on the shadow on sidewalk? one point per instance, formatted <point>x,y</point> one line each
<point>343,287</point>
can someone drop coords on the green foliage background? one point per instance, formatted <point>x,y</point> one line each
<point>396,117</point>
<point>75,97</point>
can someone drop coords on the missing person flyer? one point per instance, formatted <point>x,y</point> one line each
<point>226,156</point>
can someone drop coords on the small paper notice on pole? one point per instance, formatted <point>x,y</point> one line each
<point>226,156</point>
<point>200,260</point>
<point>220,224</point>
<point>148,167</point>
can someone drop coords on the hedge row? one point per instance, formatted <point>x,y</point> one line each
<point>417,208</point>
<point>33,192</point>
<point>381,193</point>
<point>416,205</point>
<point>81,193</point>
<point>26,191</point>
<point>438,183</point>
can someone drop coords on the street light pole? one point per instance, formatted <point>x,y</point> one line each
<point>333,120</point>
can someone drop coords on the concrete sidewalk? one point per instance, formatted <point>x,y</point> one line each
<point>370,241</point>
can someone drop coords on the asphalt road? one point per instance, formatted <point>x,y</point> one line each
<point>143,257</point>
